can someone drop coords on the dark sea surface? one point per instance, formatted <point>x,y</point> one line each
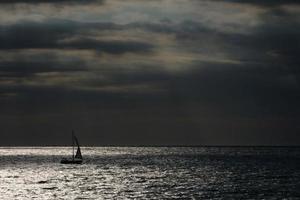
<point>151,173</point>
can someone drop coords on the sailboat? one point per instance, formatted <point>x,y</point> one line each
<point>77,158</point>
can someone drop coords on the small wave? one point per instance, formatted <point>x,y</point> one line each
<point>42,182</point>
<point>50,188</point>
<point>12,177</point>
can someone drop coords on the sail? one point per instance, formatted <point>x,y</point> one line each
<point>78,153</point>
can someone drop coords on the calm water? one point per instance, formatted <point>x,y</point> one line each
<point>151,173</point>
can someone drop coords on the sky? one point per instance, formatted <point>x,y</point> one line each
<point>150,72</point>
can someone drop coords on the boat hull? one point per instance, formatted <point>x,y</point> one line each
<point>65,161</point>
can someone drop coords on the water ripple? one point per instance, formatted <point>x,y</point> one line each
<point>151,173</point>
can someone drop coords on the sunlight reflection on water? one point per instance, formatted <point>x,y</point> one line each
<point>150,173</point>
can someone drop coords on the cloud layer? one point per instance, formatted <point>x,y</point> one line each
<point>150,72</point>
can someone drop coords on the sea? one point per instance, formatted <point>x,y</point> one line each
<point>151,173</point>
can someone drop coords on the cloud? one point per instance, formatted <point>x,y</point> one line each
<point>50,1</point>
<point>55,35</point>
<point>275,42</point>
<point>267,3</point>
<point>113,47</point>
<point>27,68</point>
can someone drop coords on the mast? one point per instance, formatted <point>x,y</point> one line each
<point>73,143</point>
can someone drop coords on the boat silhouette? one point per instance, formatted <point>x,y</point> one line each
<point>76,158</point>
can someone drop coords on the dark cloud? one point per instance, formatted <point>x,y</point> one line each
<point>25,68</point>
<point>50,1</point>
<point>267,79</point>
<point>268,3</point>
<point>51,36</point>
<point>275,44</point>
<point>113,47</point>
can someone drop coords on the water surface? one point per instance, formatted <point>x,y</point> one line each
<point>151,173</point>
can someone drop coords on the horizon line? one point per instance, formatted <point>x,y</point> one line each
<point>192,146</point>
